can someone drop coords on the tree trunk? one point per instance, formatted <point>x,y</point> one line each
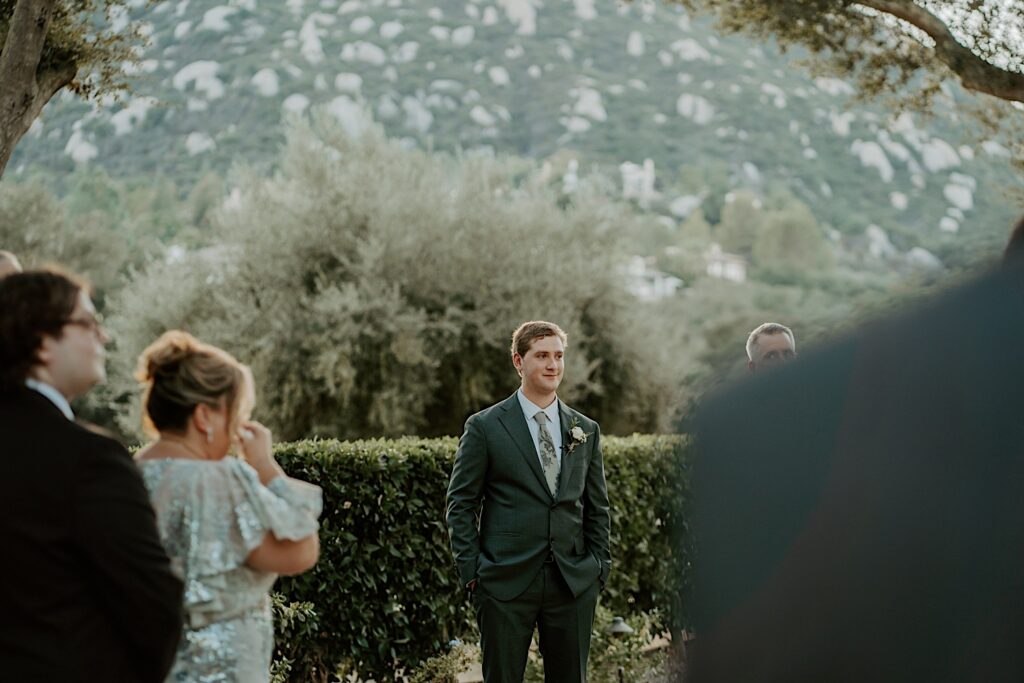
<point>24,89</point>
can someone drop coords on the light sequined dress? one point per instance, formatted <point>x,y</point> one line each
<point>211,515</point>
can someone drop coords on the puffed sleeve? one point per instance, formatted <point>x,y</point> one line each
<point>287,508</point>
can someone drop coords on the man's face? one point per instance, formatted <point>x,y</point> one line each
<point>542,366</point>
<point>771,350</point>
<point>74,363</point>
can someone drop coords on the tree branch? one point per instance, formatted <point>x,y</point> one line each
<point>48,83</point>
<point>975,73</point>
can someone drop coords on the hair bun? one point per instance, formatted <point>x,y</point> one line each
<point>166,354</point>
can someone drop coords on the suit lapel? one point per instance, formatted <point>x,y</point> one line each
<point>570,460</point>
<point>565,417</point>
<point>514,422</point>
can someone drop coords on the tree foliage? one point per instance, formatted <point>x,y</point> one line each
<point>741,222</point>
<point>791,240</point>
<point>890,43</point>
<point>88,233</point>
<point>901,50</point>
<point>374,290</point>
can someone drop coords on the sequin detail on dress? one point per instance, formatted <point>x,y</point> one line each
<point>211,515</point>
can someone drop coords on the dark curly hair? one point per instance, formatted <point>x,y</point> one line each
<point>33,305</point>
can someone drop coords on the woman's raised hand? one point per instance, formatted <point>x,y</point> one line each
<point>257,449</point>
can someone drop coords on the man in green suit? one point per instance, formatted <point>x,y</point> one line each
<point>529,520</point>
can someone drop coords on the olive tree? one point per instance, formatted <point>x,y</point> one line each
<point>374,291</point>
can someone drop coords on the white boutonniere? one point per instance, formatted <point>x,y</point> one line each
<point>576,436</point>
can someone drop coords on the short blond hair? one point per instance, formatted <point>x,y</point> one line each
<point>767,328</point>
<point>526,333</point>
<point>180,372</point>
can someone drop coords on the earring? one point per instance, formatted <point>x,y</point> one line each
<point>209,435</point>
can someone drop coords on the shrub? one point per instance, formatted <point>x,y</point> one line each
<point>294,622</point>
<point>446,667</point>
<point>385,592</point>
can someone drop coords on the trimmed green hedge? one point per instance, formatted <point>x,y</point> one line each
<point>385,592</point>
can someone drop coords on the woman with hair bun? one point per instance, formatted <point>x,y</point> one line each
<point>230,524</point>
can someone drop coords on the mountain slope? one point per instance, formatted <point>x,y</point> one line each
<point>610,83</point>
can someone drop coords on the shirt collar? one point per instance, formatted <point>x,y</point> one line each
<point>530,408</point>
<point>55,396</point>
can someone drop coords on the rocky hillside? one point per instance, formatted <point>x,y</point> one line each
<point>607,84</point>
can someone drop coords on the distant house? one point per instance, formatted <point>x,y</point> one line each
<point>638,181</point>
<point>725,266</point>
<point>571,179</point>
<point>648,283</point>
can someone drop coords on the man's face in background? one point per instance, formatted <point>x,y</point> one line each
<point>771,349</point>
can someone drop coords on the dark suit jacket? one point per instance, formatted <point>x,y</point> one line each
<point>86,590</point>
<point>498,474</point>
<point>860,514</point>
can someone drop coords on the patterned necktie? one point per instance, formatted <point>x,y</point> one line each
<point>548,458</point>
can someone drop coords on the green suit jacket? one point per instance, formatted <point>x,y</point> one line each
<point>503,520</point>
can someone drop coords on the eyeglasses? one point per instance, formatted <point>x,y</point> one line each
<point>92,323</point>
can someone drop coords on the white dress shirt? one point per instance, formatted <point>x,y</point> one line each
<point>55,396</point>
<point>554,427</point>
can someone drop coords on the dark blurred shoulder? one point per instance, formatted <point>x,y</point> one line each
<point>97,430</point>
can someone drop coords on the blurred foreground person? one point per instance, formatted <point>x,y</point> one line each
<point>860,515</point>
<point>9,264</point>
<point>86,589</point>
<point>769,345</point>
<point>231,525</point>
